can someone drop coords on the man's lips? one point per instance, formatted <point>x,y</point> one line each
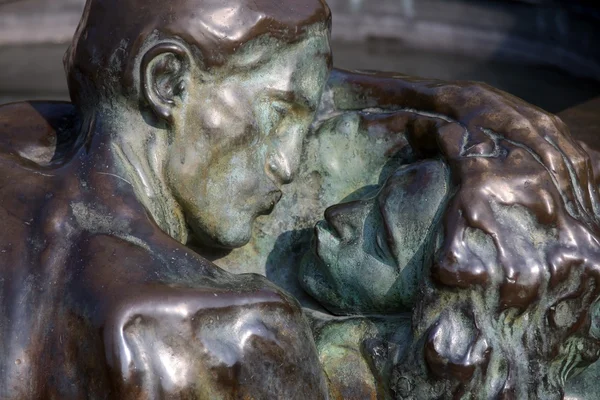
<point>270,200</point>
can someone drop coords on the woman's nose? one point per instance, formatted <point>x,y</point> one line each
<point>347,218</point>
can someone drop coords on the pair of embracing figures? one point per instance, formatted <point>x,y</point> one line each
<point>188,119</point>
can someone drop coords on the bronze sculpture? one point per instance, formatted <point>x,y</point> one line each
<point>188,118</point>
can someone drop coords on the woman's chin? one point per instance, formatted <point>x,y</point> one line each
<point>314,280</point>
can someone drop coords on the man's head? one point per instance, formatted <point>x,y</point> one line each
<point>232,84</point>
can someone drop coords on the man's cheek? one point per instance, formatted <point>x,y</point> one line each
<point>240,174</point>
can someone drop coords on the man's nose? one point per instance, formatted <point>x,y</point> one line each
<point>283,158</point>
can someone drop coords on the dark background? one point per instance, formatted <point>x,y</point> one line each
<point>541,50</point>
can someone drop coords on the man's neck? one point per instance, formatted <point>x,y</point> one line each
<point>138,151</point>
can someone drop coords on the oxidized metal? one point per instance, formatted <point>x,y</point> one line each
<point>458,256</point>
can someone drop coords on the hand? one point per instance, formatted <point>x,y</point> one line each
<point>482,109</point>
<point>478,108</point>
<point>493,175</point>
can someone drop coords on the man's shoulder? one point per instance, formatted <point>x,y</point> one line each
<point>38,131</point>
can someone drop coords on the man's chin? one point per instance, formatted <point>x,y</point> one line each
<point>224,238</point>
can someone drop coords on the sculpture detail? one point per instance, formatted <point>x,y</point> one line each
<point>458,256</point>
<point>387,236</point>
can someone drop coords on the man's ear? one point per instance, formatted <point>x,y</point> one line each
<point>163,74</point>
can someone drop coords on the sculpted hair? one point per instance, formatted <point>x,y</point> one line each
<point>516,296</point>
<point>111,34</point>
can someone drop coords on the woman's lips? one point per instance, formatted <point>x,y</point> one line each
<point>325,228</point>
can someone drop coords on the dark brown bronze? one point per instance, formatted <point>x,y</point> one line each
<point>97,300</point>
<point>496,145</point>
<point>188,121</point>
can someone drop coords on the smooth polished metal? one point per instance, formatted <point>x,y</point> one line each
<point>458,257</point>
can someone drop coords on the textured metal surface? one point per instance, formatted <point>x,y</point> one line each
<point>97,300</point>
<point>584,122</point>
<point>481,256</point>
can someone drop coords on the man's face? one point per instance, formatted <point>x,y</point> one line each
<point>369,254</point>
<point>239,137</point>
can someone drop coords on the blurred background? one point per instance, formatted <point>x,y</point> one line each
<point>544,51</point>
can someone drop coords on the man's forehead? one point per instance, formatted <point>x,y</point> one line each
<point>293,73</point>
<point>266,50</point>
<point>221,26</point>
<point>229,19</point>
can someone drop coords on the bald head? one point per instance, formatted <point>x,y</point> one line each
<point>112,33</point>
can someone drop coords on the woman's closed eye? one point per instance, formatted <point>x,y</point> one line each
<point>381,246</point>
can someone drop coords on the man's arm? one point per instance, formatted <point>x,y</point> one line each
<point>478,108</point>
<point>219,343</point>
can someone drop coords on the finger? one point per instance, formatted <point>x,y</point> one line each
<point>436,135</point>
<point>523,131</point>
<point>582,165</point>
<point>423,133</point>
<point>452,139</point>
<point>576,160</point>
<point>595,165</point>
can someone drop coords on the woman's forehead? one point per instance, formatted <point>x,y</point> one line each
<point>412,191</point>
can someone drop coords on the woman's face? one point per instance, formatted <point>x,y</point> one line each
<point>368,255</point>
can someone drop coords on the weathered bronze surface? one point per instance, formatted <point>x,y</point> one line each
<point>458,257</point>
